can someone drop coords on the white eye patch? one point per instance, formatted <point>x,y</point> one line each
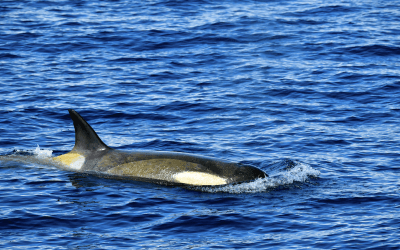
<point>199,178</point>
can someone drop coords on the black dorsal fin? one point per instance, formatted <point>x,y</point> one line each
<point>86,138</point>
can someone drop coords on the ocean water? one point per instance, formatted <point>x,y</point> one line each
<point>308,91</point>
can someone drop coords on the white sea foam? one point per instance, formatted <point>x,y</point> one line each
<point>299,173</point>
<point>42,153</point>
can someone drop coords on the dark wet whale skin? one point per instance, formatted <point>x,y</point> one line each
<point>152,166</point>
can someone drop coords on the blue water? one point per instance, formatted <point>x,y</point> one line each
<point>308,91</point>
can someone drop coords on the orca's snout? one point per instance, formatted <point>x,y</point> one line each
<point>248,173</point>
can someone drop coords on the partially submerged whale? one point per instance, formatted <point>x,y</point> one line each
<point>90,154</point>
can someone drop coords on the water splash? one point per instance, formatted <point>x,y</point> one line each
<point>37,152</point>
<point>282,173</point>
<point>42,153</point>
<point>30,157</point>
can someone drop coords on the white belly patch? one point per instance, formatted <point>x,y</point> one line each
<point>199,178</point>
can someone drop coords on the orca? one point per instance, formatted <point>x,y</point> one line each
<point>91,154</point>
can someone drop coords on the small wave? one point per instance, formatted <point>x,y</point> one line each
<point>370,50</point>
<point>31,157</point>
<point>9,56</point>
<point>286,174</point>
<point>72,24</point>
<point>37,152</point>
